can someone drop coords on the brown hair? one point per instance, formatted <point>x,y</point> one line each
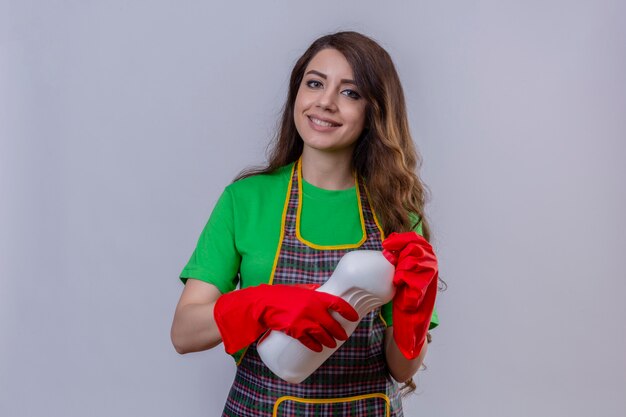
<point>385,155</point>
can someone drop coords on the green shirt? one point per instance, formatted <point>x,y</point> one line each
<point>239,242</point>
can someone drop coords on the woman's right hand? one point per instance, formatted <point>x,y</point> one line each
<point>242,316</point>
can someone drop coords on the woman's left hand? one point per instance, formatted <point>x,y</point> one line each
<point>415,279</point>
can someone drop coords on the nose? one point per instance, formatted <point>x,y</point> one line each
<point>326,100</point>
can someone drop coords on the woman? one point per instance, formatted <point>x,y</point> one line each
<point>340,177</point>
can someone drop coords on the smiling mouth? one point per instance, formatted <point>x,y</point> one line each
<point>322,122</point>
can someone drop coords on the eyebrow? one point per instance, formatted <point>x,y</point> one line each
<point>343,81</point>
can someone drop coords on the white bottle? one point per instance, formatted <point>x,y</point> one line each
<point>365,280</point>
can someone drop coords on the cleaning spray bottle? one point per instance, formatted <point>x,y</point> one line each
<point>364,278</point>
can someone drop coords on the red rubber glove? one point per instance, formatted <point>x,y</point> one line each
<point>416,289</point>
<point>299,311</point>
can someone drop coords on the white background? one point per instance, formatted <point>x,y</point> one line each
<point>122,121</point>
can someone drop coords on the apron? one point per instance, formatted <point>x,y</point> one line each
<point>354,381</point>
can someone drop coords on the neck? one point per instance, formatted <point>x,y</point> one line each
<point>327,170</point>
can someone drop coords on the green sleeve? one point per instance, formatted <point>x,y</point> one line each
<point>215,259</point>
<point>386,310</point>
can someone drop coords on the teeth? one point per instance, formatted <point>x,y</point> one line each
<point>321,122</point>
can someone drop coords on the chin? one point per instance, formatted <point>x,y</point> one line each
<point>328,148</point>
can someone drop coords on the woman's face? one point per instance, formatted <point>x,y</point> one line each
<point>329,111</point>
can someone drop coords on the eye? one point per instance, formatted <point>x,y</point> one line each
<point>313,84</point>
<point>352,94</point>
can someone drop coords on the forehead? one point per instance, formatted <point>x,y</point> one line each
<point>330,62</point>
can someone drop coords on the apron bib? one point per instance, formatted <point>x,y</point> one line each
<point>354,381</point>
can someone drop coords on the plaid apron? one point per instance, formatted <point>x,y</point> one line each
<point>354,381</point>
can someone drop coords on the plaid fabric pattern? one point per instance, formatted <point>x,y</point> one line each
<point>348,382</point>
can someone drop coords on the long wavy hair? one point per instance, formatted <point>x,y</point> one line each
<point>384,155</point>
